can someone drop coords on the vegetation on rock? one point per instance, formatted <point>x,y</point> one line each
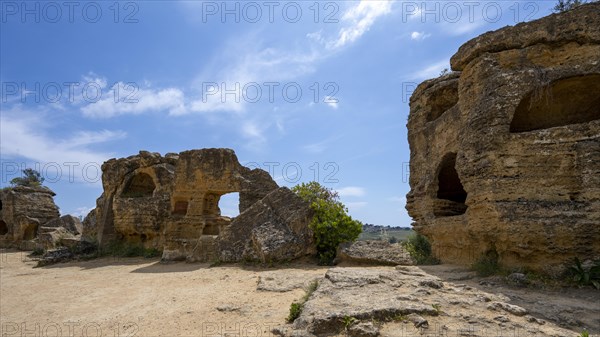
<point>566,5</point>
<point>331,223</point>
<point>30,178</point>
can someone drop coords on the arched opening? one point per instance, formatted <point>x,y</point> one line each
<point>566,101</point>
<point>3,228</point>
<point>0,205</point>
<point>141,185</point>
<point>442,100</point>
<point>30,232</point>
<point>229,204</point>
<point>451,194</point>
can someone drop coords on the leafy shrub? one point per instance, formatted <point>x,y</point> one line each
<point>487,265</point>
<point>331,223</point>
<point>589,275</point>
<point>393,240</point>
<point>30,178</point>
<point>419,249</point>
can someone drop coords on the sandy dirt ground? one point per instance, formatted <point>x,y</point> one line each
<point>142,297</point>
<point>139,297</point>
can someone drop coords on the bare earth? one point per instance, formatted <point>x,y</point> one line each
<point>142,297</point>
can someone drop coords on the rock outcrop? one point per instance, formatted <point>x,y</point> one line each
<point>22,211</point>
<point>63,231</point>
<point>171,203</point>
<point>373,252</point>
<point>406,301</point>
<point>505,151</point>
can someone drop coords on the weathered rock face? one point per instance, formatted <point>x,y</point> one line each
<point>22,211</point>
<point>505,152</point>
<point>65,231</point>
<point>172,203</point>
<point>406,301</point>
<point>374,253</point>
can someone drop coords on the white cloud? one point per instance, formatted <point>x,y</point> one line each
<point>81,211</point>
<point>23,135</point>
<point>419,36</point>
<point>359,20</point>
<point>431,71</point>
<point>351,191</point>
<point>134,100</point>
<point>331,101</point>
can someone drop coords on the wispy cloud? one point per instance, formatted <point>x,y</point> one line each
<point>359,19</point>
<point>351,191</point>
<point>125,98</point>
<point>29,136</point>
<point>419,36</point>
<point>331,102</point>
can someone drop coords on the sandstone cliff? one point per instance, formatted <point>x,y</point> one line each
<point>505,151</point>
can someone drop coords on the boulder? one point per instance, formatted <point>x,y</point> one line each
<point>373,252</point>
<point>505,151</point>
<point>274,229</point>
<point>22,210</point>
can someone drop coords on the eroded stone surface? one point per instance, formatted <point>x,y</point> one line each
<point>22,211</point>
<point>373,252</point>
<point>171,203</point>
<point>505,154</point>
<point>406,301</point>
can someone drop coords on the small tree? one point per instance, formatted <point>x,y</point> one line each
<point>30,178</point>
<point>566,5</point>
<point>331,223</point>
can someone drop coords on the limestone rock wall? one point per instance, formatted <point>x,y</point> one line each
<point>505,151</point>
<point>172,203</point>
<point>22,211</point>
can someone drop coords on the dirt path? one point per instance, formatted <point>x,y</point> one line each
<point>142,297</point>
<point>139,297</point>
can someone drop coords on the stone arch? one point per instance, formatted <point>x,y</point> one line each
<point>451,194</point>
<point>139,186</point>
<point>566,101</point>
<point>3,227</point>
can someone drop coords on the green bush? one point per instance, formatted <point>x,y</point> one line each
<point>487,265</point>
<point>31,178</point>
<point>331,223</point>
<point>419,249</point>
<point>584,276</point>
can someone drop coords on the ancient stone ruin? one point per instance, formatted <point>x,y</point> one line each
<point>171,203</point>
<point>505,150</point>
<point>22,211</point>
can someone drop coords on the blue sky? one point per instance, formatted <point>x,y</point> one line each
<point>305,90</point>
